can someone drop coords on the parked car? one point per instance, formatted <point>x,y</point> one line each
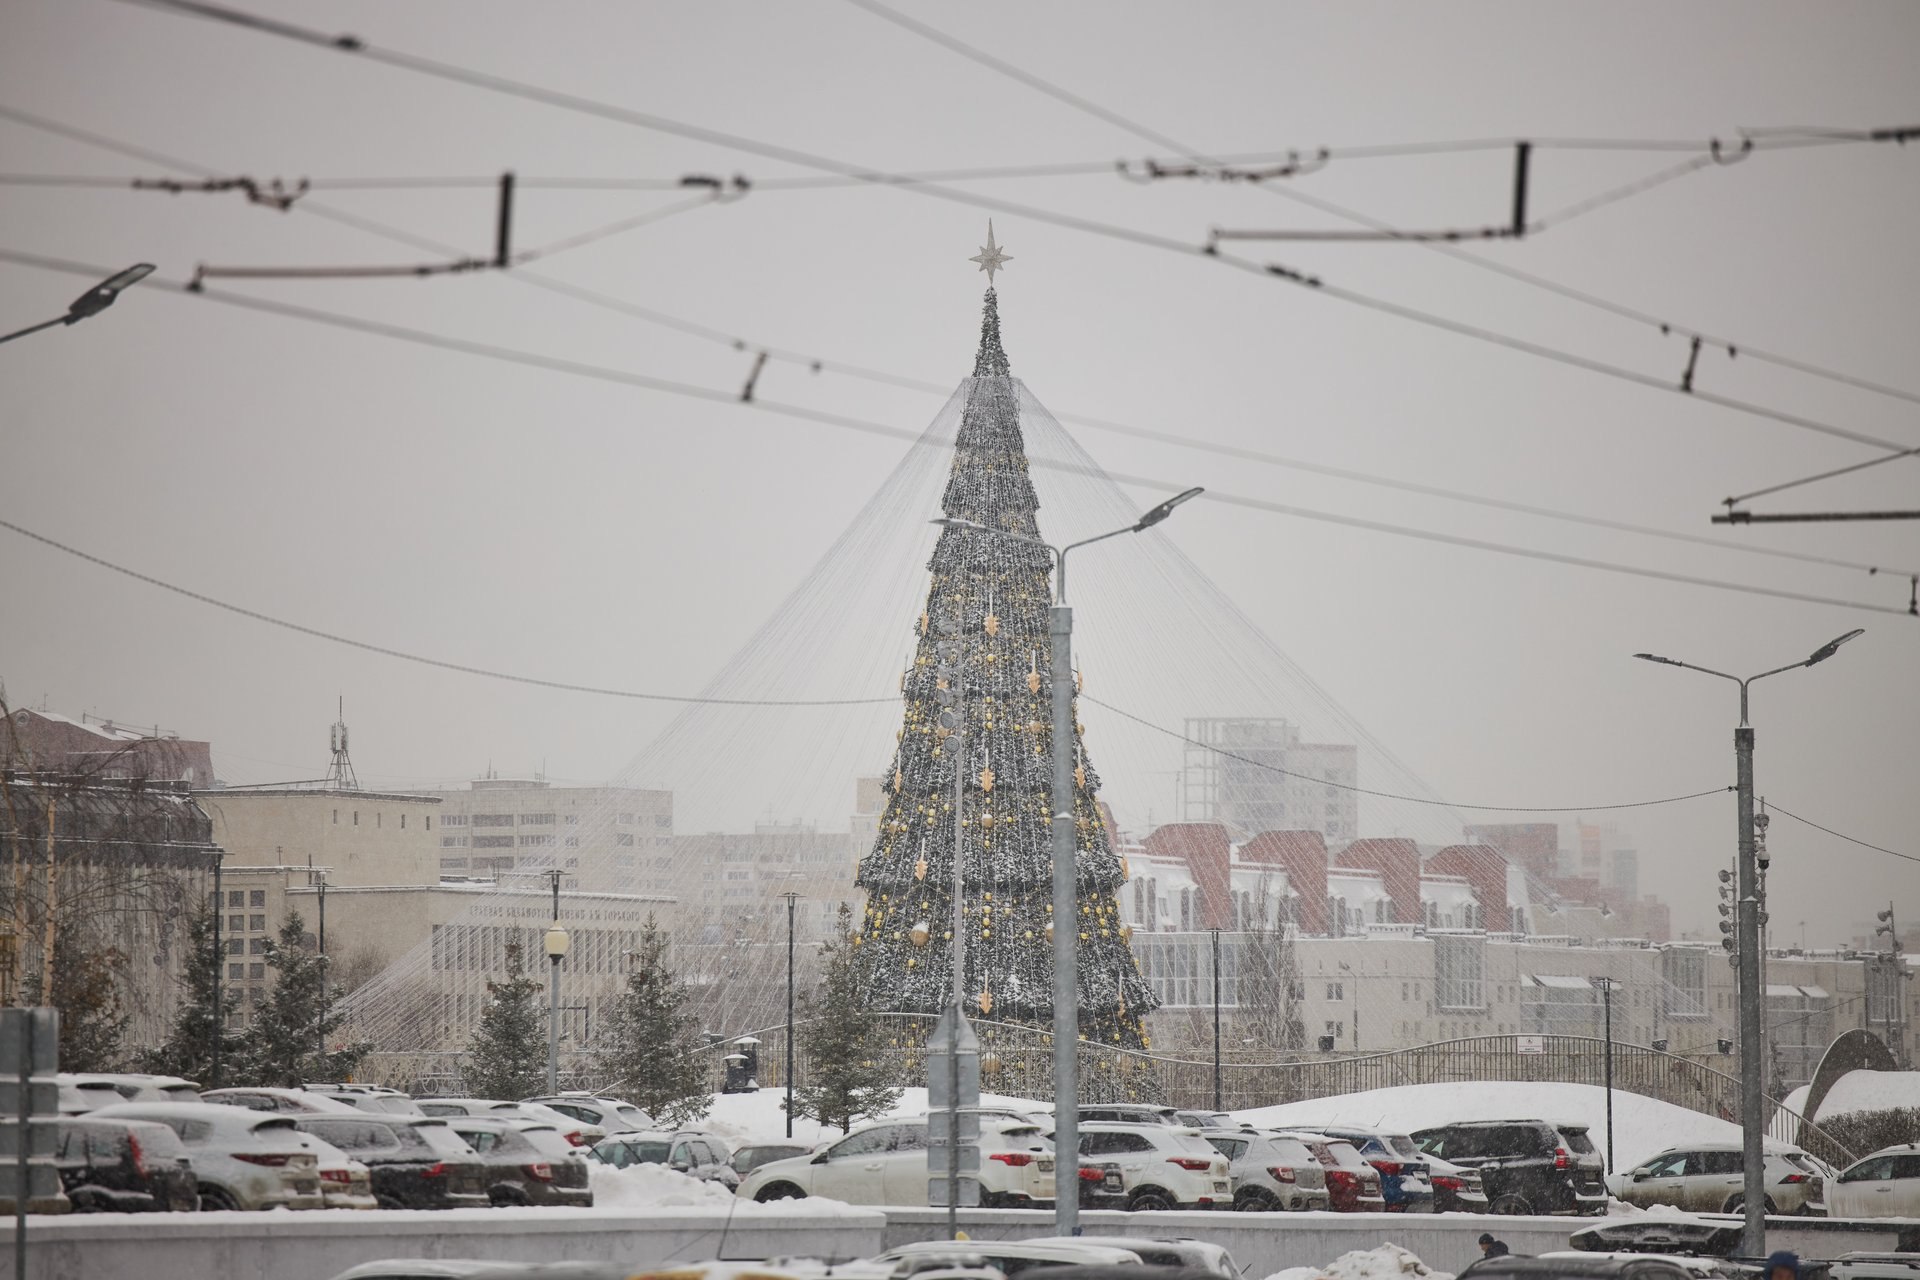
<point>1353,1185</point>
<point>1593,1266</point>
<point>750,1157</point>
<point>80,1095</point>
<point>345,1183</point>
<point>1161,1167</point>
<point>1885,1184</point>
<point>280,1101</point>
<point>124,1166</point>
<point>577,1132</point>
<point>1270,1173</point>
<point>694,1153</point>
<point>611,1114</point>
<point>1525,1165</point>
<point>1401,1165</point>
<point>372,1098</point>
<point>1589,1166</point>
<point>1456,1189</point>
<point>1162,1251</point>
<point>484,1269</point>
<point>886,1163</point>
<point>1205,1119</point>
<point>137,1086</point>
<point>1130,1113</point>
<point>415,1162</point>
<point>1710,1177</point>
<point>241,1159</point>
<point>527,1163</point>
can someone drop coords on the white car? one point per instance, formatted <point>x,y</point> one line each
<point>1162,1251</point>
<point>1007,1256</point>
<point>1709,1177</point>
<point>242,1159</point>
<point>136,1086</point>
<point>81,1094</point>
<point>1885,1184</point>
<point>886,1163</point>
<point>577,1132</point>
<point>292,1102</point>
<point>373,1098</point>
<point>1160,1167</point>
<point>611,1114</point>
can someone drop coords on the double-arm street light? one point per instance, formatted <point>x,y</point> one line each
<point>90,303</point>
<point>1747,955</point>
<point>1066,985</point>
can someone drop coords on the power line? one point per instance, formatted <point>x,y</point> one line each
<point>404,656</point>
<point>818,364</point>
<point>1715,154</point>
<point>1774,808</point>
<point>610,111</point>
<point>1389,795</point>
<point>579,369</point>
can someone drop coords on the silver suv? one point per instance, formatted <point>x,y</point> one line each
<point>1270,1172</point>
<point>1708,1177</point>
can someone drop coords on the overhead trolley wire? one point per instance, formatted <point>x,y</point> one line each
<point>610,111</point>
<point>1839,835</point>
<point>817,363</point>
<point>844,422</point>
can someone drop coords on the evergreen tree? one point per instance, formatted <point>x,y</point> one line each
<point>507,1057</point>
<point>86,991</point>
<point>285,1045</point>
<point>977,703</point>
<point>847,1077</point>
<point>647,1048</point>
<point>188,1050</point>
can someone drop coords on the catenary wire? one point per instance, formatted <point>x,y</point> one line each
<point>1390,795</point>
<point>680,324</point>
<point>385,651</point>
<point>610,111</point>
<point>1774,808</point>
<point>1824,475</point>
<point>404,656</point>
<point>845,422</point>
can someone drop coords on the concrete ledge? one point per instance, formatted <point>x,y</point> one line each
<point>321,1243</point>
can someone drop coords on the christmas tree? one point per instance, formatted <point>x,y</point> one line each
<point>977,703</point>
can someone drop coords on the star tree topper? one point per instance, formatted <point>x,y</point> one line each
<point>990,258</point>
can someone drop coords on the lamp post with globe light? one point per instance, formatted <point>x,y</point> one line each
<point>1752,1052</point>
<point>1066,1016</point>
<point>556,943</point>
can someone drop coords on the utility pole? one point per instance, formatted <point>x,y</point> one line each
<point>46,951</point>
<point>790,896</point>
<point>219,965</point>
<point>1216,1018</point>
<point>1606,1000</point>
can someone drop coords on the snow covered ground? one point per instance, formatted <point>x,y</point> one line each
<point>650,1187</point>
<point>761,1117</point>
<point>1383,1262</point>
<point>1643,1126</point>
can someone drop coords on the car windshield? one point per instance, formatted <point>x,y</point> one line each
<point>443,1140</point>
<point>1192,1143</point>
<point>395,1106</point>
<point>180,1093</point>
<point>633,1115</point>
<point>1401,1143</point>
<point>1288,1151</point>
<point>645,1152</point>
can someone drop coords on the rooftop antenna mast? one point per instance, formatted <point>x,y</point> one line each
<point>340,772</point>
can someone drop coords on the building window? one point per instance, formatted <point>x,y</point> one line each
<point>493,842</point>
<point>535,842</point>
<point>256,971</point>
<point>234,971</point>
<point>1459,973</point>
<point>236,946</point>
<point>258,947</point>
<point>236,898</point>
<point>256,922</point>
<point>236,923</point>
<point>492,819</point>
<point>403,822</point>
<point>626,837</point>
<point>1335,990</point>
<point>536,819</point>
<point>356,817</point>
<point>454,842</point>
<point>336,817</point>
<point>257,898</point>
<point>451,820</point>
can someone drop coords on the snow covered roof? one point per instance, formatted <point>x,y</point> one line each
<point>1561,981</point>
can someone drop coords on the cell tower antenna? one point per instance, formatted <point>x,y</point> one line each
<point>340,772</point>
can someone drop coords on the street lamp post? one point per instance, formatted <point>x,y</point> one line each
<point>1606,1000</point>
<point>1752,1052</point>
<point>90,303</point>
<point>556,943</point>
<point>1216,1018</point>
<point>1066,1013</point>
<point>791,896</point>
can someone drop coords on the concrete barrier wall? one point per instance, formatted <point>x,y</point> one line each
<point>320,1244</point>
<point>1263,1243</point>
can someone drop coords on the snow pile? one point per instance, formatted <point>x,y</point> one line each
<point>653,1186</point>
<point>1870,1091</point>
<point>760,1116</point>
<point>1382,1262</point>
<point>1643,1127</point>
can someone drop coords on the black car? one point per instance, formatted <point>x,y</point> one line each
<point>1525,1166</point>
<point>526,1163</point>
<point>415,1162</point>
<point>124,1166</point>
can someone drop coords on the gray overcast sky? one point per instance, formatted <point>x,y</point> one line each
<point>533,522</point>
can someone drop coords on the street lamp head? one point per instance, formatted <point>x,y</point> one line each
<point>1832,647</point>
<point>1165,509</point>
<point>556,943</point>
<point>955,522</point>
<point>1654,657</point>
<point>101,296</point>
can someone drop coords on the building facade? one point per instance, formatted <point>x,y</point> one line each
<point>602,839</point>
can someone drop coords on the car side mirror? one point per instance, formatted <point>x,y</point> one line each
<point>1641,1175</point>
<point>821,1158</point>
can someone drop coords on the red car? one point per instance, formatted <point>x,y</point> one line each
<point>1353,1185</point>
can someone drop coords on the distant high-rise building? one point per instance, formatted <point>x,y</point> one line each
<point>1257,775</point>
<point>607,839</point>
